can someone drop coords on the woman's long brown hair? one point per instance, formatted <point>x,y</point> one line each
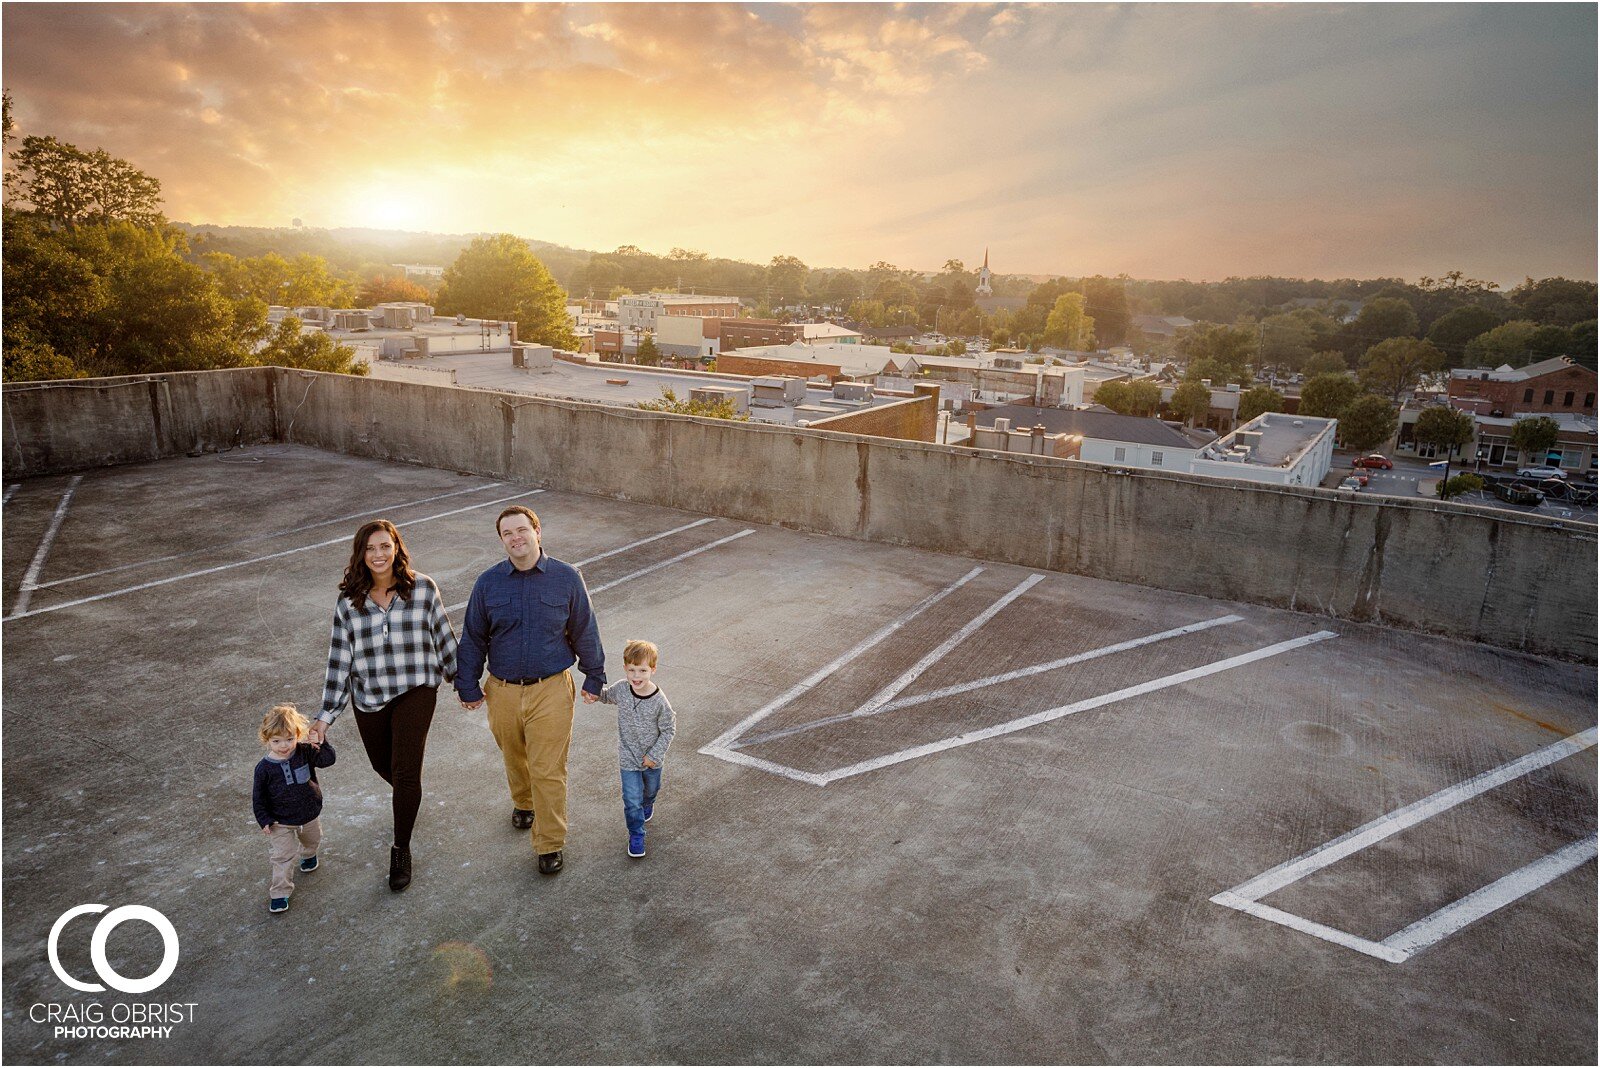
<point>357,581</point>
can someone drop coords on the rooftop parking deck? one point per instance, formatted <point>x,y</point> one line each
<point>920,807</point>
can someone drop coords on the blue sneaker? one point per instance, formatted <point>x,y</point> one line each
<point>635,848</point>
<point>308,863</point>
<point>649,810</point>
<point>278,904</point>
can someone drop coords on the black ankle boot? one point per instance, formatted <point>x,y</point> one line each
<point>399,868</point>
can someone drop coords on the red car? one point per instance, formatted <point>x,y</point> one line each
<point>1374,461</point>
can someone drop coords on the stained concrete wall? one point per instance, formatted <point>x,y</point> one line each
<point>72,426</point>
<point>1516,581</point>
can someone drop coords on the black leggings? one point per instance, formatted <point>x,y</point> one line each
<point>395,737</point>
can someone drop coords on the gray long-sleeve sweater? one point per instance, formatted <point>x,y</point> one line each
<point>645,725</point>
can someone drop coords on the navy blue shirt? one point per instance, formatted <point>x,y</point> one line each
<point>529,624</point>
<point>286,791</point>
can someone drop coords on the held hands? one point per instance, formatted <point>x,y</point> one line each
<point>469,705</point>
<point>589,698</point>
<point>318,732</point>
<point>649,763</point>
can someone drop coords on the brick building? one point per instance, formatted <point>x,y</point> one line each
<point>641,310</point>
<point>1551,387</point>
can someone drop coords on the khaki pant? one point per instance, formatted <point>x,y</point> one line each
<point>533,727</point>
<point>286,846</point>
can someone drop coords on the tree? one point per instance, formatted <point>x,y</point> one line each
<point>1116,395</point>
<point>1455,487</point>
<point>1107,300</point>
<point>1448,429</point>
<point>1398,364</point>
<point>1583,344</point>
<point>499,278</point>
<point>289,346</point>
<point>1325,396</point>
<point>1367,422</point>
<point>1325,363</point>
<point>786,277</point>
<point>1145,397</point>
<point>1190,402</point>
<point>1067,324</point>
<point>1555,301</point>
<point>1535,437</point>
<point>384,288</point>
<point>1285,341</point>
<point>1452,330</point>
<point>1509,343</point>
<point>68,187</point>
<point>1258,400</point>
<point>669,402</point>
<point>1229,348</point>
<point>1381,318</point>
<point>1548,341</point>
<point>648,355</point>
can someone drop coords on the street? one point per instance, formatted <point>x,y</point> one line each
<point>1408,473</point>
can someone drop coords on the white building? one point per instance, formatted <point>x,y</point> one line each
<point>1108,438</point>
<point>421,270</point>
<point>640,311</point>
<point>1284,450</point>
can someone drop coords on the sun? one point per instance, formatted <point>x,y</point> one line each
<point>391,210</point>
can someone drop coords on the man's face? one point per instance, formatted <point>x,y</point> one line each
<point>520,538</point>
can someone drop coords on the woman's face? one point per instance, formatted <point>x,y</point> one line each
<point>380,553</point>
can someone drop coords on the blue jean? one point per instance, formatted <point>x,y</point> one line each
<point>639,789</point>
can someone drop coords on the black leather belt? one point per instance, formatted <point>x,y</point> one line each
<point>524,682</point>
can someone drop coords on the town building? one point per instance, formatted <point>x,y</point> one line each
<point>1546,388</point>
<point>985,277</point>
<point>640,311</point>
<point>1283,450</point>
<point>832,362</point>
<point>1104,436</point>
<point>430,272</point>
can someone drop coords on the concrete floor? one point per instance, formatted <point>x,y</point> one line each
<point>1043,895</point>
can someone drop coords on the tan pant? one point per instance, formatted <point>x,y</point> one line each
<point>533,727</point>
<point>286,845</point>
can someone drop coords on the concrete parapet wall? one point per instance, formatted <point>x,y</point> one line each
<point>1507,579</point>
<point>52,427</point>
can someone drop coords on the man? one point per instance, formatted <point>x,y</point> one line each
<point>530,615</point>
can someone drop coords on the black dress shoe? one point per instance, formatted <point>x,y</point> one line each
<point>399,868</point>
<point>550,863</point>
<point>522,818</point>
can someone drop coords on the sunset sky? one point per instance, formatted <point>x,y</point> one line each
<point>1163,141</point>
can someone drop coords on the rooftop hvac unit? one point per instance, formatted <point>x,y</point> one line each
<point>852,391</point>
<point>351,320</point>
<point>1002,425</point>
<point>717,394</point>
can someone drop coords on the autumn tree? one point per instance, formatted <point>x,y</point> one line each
<point>385,288</point>
<point>291,346</point>
<point>499,278</point>
<point>67,187</point>
<point>648,354</point>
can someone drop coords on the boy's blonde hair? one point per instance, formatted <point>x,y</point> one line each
<point>638,652</point>
<point>283,719</point>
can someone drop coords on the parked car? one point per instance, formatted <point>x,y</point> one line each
<point>1540,472</point>
<point>1374,461</point>
<point>1360,476</point>
<point>1352,484</point>
<point>1517,493</point>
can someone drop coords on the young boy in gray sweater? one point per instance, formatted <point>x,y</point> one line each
<point>645,726</point>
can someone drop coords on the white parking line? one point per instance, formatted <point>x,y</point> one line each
<point>30,577</point>
<point>723,746</point>
<point>263,537</point>
<point>668,563</point>
<point>11,491</point>
<point>1418,936</point>
<point>246,563</point>
<point>717,746</point>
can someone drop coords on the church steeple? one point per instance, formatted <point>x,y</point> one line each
<point>984,274</point>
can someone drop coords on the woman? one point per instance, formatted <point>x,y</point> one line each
<point>392,645</point>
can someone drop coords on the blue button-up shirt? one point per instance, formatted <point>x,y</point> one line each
<point>530,624</point>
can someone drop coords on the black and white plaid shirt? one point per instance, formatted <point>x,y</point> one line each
<point>376,654</point>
